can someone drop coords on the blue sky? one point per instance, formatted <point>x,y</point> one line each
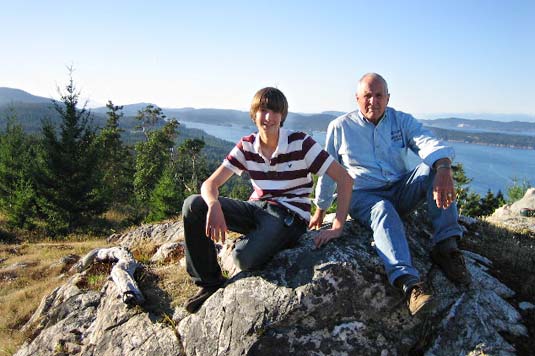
<point>471,56</point>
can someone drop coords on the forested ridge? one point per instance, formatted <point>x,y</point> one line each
<point>63,175</point>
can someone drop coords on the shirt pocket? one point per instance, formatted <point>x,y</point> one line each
<point>396,139</point>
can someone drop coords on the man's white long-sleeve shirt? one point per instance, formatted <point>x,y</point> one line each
<point>376,155</point>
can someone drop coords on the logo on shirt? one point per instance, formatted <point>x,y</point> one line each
<point>396,135</point>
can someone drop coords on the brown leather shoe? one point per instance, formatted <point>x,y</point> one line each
<point>453,265</point>
<point>419,300</point>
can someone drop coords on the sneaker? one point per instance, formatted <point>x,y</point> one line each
<point>419,300</point>
<point>194,303</point>
<point>453,265</point>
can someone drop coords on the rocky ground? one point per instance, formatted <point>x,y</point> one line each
<point>331,301</point>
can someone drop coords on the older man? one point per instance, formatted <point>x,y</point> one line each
<point>372,143</point>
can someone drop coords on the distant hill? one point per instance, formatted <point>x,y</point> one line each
<point>478,116</point>
<point>482,125</point>
<point>10,95</point>
<point>32,110</point>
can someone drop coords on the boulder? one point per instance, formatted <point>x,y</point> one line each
<point>159,234</point>
<point>336,301</point>
<point>509,214</point>
<point>73,321</point>
<point>329,301</point>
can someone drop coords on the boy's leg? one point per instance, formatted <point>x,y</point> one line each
<point>201,254</point>
<point>270,236</point>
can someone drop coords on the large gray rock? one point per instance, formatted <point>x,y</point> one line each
<point>158,234</point>
<point>509,214</point>
<point>335,301</point>
<point>71,321</point>
<point>330,301</point>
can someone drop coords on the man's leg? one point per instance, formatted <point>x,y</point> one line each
<point>377,212</point>
<point>411,190</point>
<point>271,235</point>
<point>374,210</point>
<point>417,186</point>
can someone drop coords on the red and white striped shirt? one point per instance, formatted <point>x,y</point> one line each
<point>285,178</point>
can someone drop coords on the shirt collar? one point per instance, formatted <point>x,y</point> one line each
<point>281,145</point>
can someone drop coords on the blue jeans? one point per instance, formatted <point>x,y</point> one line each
<point>381,210</point>
<point>266,233</point>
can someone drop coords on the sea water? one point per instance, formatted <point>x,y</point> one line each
<point>489,167</point>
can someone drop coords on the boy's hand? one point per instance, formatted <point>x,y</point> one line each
<point>317,220</point>
<point>325,236</point>
<point>216,226</point>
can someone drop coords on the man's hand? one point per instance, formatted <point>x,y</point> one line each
<point>443,189</point>
<point>317,220</point>
<point>325,236</point>
<point>216,226</point>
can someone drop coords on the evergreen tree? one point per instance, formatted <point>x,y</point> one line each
<point>472,205</point>
<point>152,156</point>
<point>489,203</point>
<point>167,197</point>
<point>517,190</point>
<point>149,117</point>
<point>500,199</point>
<point>117,162</point>
<point>193,166</point>
<point>17,193</point>
<point>68,181</point>
<point>467,201</point>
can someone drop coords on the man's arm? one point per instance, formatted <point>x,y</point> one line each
<point>326,186</point>
<point>436,155</point>
<point>344,182</point>
<point>216,226</point>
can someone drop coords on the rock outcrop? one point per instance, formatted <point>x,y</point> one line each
<point>330,301</point>
<point>509,214</point>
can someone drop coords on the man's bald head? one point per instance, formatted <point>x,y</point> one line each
<point>372,96</point>
<point>373,76</point>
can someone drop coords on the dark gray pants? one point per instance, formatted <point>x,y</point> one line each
<point>262,224</point>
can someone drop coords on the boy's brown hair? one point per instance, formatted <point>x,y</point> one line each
<point>272,99</point>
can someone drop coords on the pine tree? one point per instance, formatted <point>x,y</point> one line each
<point>149,117</point>
<point>517,190</point>
<point>17,193</point>
<point>467,201</point>
<point>117,163</point>
<point>167,197</point>
<point>500,199</point>
<point>69,180</point>
<point>489,203</point>
<point>152,156</point>
<point>193,167</point>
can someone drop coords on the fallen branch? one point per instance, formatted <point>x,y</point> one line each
<point>122,273</point>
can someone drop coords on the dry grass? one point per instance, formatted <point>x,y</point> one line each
<point>23,287</point>
<point>176,283</point>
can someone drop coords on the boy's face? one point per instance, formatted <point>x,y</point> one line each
<point>267,120</point>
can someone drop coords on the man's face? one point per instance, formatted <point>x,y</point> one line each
<point>372,99</point>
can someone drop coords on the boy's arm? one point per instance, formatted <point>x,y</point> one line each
<point>216,227</point>
<point>344,184</point>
